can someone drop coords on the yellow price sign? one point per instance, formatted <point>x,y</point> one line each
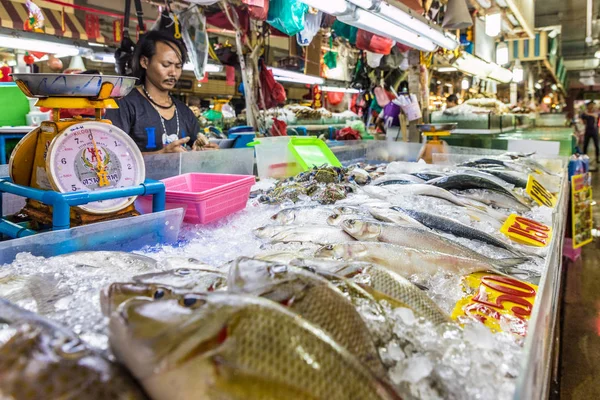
<point>539,193</point>
<point>527,231</point>
<point>499,302</point>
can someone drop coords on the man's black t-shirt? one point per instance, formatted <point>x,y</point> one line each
<point>135,114</point>
<point>591,124</point>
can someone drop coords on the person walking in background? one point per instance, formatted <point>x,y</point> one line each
<point>590,118</point>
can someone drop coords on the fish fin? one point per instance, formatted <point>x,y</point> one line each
<point>522,274</point>
<point>510,261</point>
<point>46,293</point>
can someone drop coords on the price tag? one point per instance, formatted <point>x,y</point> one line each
<point>581,210</point>
<point>526,231</point>
<point>500,302</point>
<point>539,193</point>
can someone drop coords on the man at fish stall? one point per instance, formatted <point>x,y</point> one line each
<point>155,120</point>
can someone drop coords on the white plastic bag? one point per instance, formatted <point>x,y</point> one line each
<point>373,59</point>
<point>312,24</point>
<point>193,31</point>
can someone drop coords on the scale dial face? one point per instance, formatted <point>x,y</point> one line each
<point>94,156</point>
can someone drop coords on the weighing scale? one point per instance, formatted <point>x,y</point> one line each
<point>80,170</point>
<point>434,145</point>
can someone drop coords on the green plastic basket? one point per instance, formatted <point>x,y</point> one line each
<point>312,152</point>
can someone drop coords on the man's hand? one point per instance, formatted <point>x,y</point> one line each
<point>210,146</point>
<point>202,143</point>
<point>176,146</point>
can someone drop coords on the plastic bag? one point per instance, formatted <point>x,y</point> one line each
<point>361,79</point>
<point>374,59</point>
<point>312,25</point>
<point>279,128</point>
<point>193,31</point>
<point>287,16</point>
<point>330,59</point>
<point>369,41</point>
<point>273,92</point>
<point>344,30</point>
<point>258,9</point>
<point>392,60</point>
<point>347,133</point>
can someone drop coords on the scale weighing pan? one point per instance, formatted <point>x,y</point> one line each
<point>436,127</point>
<point>72,85</point>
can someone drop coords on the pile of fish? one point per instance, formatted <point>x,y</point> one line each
<point>330,298</point>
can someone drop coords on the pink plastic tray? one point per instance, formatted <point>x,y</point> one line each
<point>205,197</point>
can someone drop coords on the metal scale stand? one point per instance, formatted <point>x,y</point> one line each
<point>75,171</point>
<point>431,139</point>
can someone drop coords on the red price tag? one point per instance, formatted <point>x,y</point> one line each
<point>526,231</point>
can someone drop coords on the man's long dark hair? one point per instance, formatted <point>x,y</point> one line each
<point>146,47</point>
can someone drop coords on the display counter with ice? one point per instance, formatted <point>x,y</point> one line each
<point>380,280</point>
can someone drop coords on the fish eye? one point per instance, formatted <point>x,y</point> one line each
<point>159,294</point>
<point>189,301</point>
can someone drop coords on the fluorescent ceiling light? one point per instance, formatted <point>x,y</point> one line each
<point>464,84</point>
<point>188,66</point>
<point>305,80</point>
<point>485,3</point>
<point>92,44</point>
<point>473,65</point>
<point>554,87</point>
<point>338,89</point>
<point>502,3</point>
<point>447,69</point>
<point>500,74</point>
<point>502,53</point>
<point>513,20</point>
<point>374,23</point>
<point>538,86</point>
<point>107,58</point>
<point>493,24</point>
<point>43,46</point>
<point>517,72</point>
<point>597,54</point>
<point>331,7</point>
<point>405,18</point>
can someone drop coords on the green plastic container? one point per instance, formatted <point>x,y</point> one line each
<point>14,105</point>
<point>312,152</point>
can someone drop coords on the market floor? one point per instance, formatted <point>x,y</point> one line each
<point>580,339</point>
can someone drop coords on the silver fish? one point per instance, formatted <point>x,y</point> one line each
<point>448,225</point>
<point>226,346</point>
<point>408,235</point>
<point>401,290</point>
<point>40,359</point>
<point>303,215</point>
<point>389,193</point>
<point>319,234</point>
<point>495,199</point>
<point>405,261</point>
<point>37,293</point>
<point>110,259</point>
<point>313,298</point>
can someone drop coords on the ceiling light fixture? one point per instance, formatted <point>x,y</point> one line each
<point>518,72</point>
<point>502,53</point>
<point>376,24</point>
<point>464,84</point>
<point>338,89</point>
<point>43,46</point>
<point>447,69</point>
<point>493,24</point>
<point>208,68</point>
<point>283,75</point>
<point>406,18</point>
